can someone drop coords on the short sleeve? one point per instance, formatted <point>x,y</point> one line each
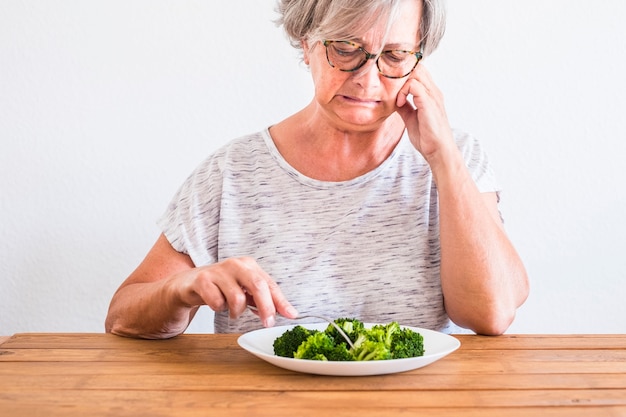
<point>191,220</point>
<point>477,162</point>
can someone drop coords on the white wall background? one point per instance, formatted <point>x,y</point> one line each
<point>106,106</point>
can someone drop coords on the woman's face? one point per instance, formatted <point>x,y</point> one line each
<point>363,99</point>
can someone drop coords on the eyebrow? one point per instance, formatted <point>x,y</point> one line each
<point>390,46</point>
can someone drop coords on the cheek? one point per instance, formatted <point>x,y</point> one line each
<point>326,88</point>
<point>327,81</point>
<point>393,87</point>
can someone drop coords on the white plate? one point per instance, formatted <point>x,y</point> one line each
<point>261,344</point>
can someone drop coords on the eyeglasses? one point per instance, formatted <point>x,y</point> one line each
<point>348,56</point>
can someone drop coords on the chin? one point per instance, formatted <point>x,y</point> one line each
<point>365,123</point>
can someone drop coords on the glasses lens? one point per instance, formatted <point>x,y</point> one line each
<point>345,55</point>
<point>397,63</point>
<point>348,56</point>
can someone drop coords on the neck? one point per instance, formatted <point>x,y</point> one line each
<point>329,153</point>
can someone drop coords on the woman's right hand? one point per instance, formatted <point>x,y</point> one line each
<point>232,285</point>
<point>160,298</point>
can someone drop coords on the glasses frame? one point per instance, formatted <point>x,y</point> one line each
<point>368,56</point>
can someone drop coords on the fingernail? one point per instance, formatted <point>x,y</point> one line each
<point>269,322</point>
<point>291,312</point>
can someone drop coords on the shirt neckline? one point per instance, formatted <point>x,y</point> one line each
<point>312,182</point>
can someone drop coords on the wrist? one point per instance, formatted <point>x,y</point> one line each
<point>446,164</point>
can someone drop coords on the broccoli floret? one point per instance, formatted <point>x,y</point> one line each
<point>341,352</point>
<point>383,332</point>
<point>370,350</point>
<point>350,326</point>
<point>320,346</point>
<point>406,343</point>
<point>287,344</point>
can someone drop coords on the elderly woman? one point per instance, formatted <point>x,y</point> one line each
<point>363,204</point>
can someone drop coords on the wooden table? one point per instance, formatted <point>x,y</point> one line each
<point>210,375</point>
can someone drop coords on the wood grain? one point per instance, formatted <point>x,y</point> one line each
<point>205,375</point>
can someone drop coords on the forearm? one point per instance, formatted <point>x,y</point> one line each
<point>150,310</point>
<point>483,278</point>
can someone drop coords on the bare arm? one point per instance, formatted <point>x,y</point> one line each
<point>159,299</point>
<point>482,277</point>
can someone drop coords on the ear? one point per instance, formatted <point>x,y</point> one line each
<point>305,51</point>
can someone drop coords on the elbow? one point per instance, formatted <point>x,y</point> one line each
<point>109,325</point>
<point>496,320</point>
<point>488,324</point>
<point>493,319</point>
<point>135,334</point>
<point>494,315</point>
<point>119,327</point>
<point>116,326</point>
<point>495,325</point>
<point>113,326</point>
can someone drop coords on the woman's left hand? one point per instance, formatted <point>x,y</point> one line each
<point>424,113</point>
<point>482,278</point>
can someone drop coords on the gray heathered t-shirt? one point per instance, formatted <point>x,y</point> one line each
<point>365,248</point>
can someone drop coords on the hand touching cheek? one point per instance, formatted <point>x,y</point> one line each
<point>421,105</point>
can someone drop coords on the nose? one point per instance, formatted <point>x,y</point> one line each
<point>368,74</point>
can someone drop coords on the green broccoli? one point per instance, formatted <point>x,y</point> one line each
<point>287,344</point>
<point>350,326</point>
<point>406,343</point>
<point>370,350</point>
<point>382,341</point>
<point>320,346</point>
<point>340,352</point>
<point>383,332</point>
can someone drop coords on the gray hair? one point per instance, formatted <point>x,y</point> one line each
<point>315,20</point>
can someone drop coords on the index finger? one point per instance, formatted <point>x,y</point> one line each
<point>283,306</point>
<point>267,304</point>
<point>266,296</point>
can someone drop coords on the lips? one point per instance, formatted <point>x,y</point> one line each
<point>361,100</point>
